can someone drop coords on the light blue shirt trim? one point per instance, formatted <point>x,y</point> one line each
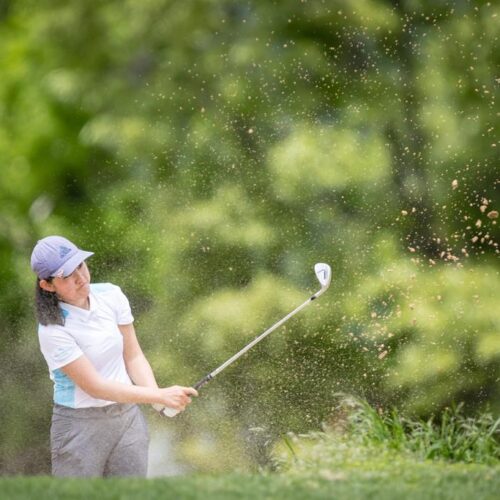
<point>64,389</point>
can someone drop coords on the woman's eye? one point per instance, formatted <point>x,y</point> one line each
<point>79,266</point>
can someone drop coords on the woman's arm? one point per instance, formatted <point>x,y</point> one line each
<point>83,374</point>
<point>138,367</point>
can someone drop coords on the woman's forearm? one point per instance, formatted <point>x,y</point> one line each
<point>83,374</point>
<point>175,397</point>
<point>124,393</point>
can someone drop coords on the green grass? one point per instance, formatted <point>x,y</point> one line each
<point>359,434</point>
<point>425,481</point>
<point>452,437</point>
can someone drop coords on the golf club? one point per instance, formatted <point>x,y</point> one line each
<point>323,273</point>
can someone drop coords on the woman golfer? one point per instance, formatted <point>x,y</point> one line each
<point>99,371</point>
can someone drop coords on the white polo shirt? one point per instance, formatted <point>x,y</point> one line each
<point>93,333</point>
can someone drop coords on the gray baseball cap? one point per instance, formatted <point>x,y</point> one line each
<point>56,256</point>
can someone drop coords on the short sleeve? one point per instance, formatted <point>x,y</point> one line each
<point>58,347</point>
<point>122,308</point>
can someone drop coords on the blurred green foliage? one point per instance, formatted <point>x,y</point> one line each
<point>209,153</point>
<point>378,439</point>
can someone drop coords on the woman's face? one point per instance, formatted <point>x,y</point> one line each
<point>73,289</point>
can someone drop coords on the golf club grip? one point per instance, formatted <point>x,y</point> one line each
<point>165,411</point>
<point>171,412</point>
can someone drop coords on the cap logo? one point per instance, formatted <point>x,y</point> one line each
<point>63,251</point>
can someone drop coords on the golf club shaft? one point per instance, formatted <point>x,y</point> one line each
<point>323,273</point>
<point>169,412</point>
<point>231,360</point>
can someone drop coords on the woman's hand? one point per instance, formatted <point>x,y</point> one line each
<point>176,397</point>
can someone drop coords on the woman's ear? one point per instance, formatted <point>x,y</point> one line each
<point>47,286</point>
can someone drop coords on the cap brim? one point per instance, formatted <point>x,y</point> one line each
<point>71,264</point>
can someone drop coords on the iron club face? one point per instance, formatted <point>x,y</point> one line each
<point>324,274</point>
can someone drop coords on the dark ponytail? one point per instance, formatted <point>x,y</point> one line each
<point>47,307</point>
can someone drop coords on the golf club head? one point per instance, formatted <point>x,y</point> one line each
<point>324,274</point>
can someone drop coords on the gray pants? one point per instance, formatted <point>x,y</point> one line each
<point>107,441</point>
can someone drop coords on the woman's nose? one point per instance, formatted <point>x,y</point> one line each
<point>78,275</point>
